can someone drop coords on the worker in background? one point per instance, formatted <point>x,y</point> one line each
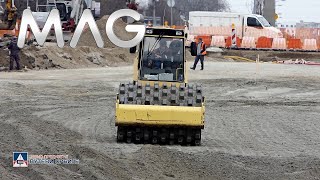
<point>201,52</point>
<point>11,12</point>
<point>149,24</point>
<point>14,53</point>
<point>166,24</point>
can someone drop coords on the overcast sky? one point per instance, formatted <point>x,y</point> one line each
<point>291,10</point>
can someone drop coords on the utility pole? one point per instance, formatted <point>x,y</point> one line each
<point>171,18</point>
<point>269,11</point>
<point>171,4</point>
<point>266,8</point>
<point>154,13</point>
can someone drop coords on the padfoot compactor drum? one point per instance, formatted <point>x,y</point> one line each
<point>159,106</point>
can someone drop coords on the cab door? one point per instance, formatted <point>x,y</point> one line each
<point>253,27</point>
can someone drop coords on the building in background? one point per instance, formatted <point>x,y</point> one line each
<point>303,24</point>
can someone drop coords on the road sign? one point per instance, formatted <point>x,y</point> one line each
<point>171,3</point>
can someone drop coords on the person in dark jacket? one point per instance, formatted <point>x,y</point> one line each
<point>160,55</point>
<point>14,53</point>
<point>201,52</point>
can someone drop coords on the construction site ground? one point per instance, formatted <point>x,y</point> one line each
<point>262,122</point>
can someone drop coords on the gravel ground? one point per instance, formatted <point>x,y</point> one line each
<point>261,123</point>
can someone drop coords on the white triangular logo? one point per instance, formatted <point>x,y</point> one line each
<point>20,162</point>
<point>20,158</point>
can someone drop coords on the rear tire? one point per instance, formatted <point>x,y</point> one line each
<point>159,135</point>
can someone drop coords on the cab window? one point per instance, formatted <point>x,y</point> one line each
<point>162,59</point>
<point>253,22</point>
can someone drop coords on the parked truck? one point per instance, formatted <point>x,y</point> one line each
<point>220,24</point>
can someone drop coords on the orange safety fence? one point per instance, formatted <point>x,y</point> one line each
<point>264,42</point>
<point>218,41</point>
<point>307,33</point>
<point>229,42</point>
<point>248,42</point>
<point>294,44</point>
<point>178,27</point>
<point>288,33</point>
<point>279,44</point>
<point>205,38</point>
<point>213,31</point>
<point>307,39</point>
<point>310,45</point>
<point>267,43</point>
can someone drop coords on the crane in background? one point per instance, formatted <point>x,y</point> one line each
<point>8,15</point>
<point>8,19</point>
<point>70,12</point>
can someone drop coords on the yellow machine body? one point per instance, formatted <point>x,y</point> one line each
<point>152,115</point>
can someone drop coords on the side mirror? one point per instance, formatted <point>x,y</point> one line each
<point>133,50</point>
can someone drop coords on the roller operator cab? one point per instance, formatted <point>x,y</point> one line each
<point>159,106</point>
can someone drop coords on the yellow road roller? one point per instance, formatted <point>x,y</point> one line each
<point>159,106</point>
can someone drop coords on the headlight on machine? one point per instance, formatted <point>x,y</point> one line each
<point>149,31</point>
<point>179,33</point>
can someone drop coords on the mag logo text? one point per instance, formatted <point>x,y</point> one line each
<point>53,21</point>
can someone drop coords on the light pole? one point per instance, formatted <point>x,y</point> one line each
<point>269,11</point>
<point>154,13</point>
<point>164,14</point>
<point>171,4</point>
<point>267,8</point>
<point>171,17</point>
